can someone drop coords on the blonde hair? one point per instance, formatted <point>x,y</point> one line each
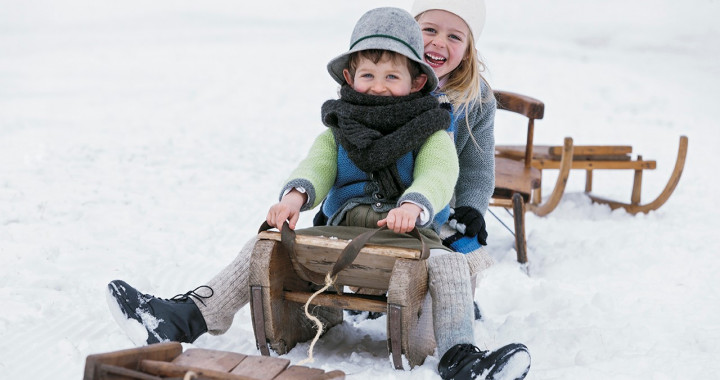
<point>464,84</point>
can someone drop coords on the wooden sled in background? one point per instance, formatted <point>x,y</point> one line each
<point>519,170</point>
<point>167,360</point>
<point>280,285</point>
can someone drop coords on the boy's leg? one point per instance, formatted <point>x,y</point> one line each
<point>231,291</point>
<point>208,308</point>
<point>449,281</point>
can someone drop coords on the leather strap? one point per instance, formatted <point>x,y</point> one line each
<point>347,256</point>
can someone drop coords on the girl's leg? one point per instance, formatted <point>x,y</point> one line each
<point>452,303</point>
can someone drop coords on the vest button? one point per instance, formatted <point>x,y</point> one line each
<point>378,204</point>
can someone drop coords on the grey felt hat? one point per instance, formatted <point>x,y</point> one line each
<point>387,28</point>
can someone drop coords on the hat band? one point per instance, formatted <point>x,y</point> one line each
<point>390,37</point>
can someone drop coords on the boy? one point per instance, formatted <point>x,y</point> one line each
<point>386,151</point>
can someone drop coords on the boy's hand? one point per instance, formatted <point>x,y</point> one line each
<point>287,209</point>
<point>402,219</point>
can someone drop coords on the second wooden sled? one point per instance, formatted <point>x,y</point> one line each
<point>279,290</point>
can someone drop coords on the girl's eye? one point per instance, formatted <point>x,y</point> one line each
<point>455,37</point>
<point>429,30</point>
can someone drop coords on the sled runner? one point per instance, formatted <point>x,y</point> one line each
<point>167,360</point>
<point>283,278</point>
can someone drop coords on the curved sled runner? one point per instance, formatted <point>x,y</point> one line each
<point>634,206</point>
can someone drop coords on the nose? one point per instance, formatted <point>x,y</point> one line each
<point>437,41</point>
<point>378,87</point>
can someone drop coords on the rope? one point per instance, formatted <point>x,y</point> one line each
<point>190,375</point>
<point>501,222</point>
<point>328,283</point>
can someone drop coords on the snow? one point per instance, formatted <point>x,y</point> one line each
<point>144,141</point>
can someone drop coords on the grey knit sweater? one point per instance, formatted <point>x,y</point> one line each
<point>477,162</point>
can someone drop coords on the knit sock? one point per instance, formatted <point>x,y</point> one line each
<point>230,292</point>
<point>452,304</point>
<point>478,260</point>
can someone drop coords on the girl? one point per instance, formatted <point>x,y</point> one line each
<point>450,31</point>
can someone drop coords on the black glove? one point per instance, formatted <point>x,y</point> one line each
<point>473,221</point>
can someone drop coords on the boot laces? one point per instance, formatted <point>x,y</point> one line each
<point>193,293</point>
<point>471,348</point>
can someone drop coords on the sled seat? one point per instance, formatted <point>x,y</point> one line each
<point>279,288</point>
<point>167,360</point>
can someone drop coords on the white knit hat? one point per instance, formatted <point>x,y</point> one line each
<point>471,11</point>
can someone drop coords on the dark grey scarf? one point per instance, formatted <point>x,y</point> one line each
<point>377,130</point>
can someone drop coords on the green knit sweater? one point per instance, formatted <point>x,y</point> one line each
<point>434,175</point>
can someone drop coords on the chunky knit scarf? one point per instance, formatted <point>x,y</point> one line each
<point>377,130</point>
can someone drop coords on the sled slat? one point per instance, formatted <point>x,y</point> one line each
<point>166,369</point>
<point>210,359</point>
<point>299,373</point>
<point>261,367</point>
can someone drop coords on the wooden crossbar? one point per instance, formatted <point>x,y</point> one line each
<point>345,301</point>
<point>339,244</point>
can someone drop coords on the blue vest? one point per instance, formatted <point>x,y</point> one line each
<point>354,186</point>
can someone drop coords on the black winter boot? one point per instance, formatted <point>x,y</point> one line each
<point>465,361</point>
<point>176,320</point>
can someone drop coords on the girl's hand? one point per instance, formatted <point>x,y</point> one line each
<point>402,219</point>
<point>288,209</point>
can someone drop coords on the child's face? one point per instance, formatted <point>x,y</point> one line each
<point>446,40</point>
<point>385,78</point>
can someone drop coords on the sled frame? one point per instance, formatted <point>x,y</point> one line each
<point>278,292</point>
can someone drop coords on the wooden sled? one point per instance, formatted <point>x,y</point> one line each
<point>279,288</point>
<point>517,179</point>
<point>167,360</point>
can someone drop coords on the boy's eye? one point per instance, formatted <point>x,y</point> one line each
<point>367,76</point>
<point>392,76</point>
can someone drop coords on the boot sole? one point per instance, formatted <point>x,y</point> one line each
<point>138,331</point>
<point>515,368</point>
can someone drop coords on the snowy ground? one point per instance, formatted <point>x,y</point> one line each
<point>145,140</point>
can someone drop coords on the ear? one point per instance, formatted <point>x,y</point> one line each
<point>418,83</point>
<point>348,77</point>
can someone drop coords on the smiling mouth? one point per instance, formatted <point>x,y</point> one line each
<point>434,60</point>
